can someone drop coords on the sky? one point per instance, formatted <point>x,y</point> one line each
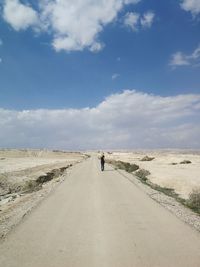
<point>114,74</point>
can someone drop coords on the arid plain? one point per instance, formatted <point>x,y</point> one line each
<point>26,177</point>
<point>176,169</point>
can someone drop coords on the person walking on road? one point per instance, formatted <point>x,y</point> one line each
<point>102,162</point>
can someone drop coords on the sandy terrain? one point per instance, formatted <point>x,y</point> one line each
<point>17,160</point>
<point>19,166</point>
<point>166,169</point>
<point>96,219</point>
<point>25,177</point>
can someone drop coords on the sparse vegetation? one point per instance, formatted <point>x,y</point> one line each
<point>130,167</point>
<point>167,191</point>
<point>3,180</point>
<point>182,162</point>
<point>147,158</point>
<point>51,175</point>
<point>123,165</point>
<point>31,186</point>
<point>185,162</point>
<point>194,200</point>
<point>142,174</point>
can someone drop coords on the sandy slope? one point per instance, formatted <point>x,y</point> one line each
<point>19,166</point>
<point>100,219</point>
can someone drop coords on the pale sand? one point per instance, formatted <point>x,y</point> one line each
<point>13,160</point>
<point>19,166</point>
<point>183,178</point>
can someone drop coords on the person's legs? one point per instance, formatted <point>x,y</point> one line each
<point>102,166</point>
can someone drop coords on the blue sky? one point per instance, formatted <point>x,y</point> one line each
<point>48,60</point>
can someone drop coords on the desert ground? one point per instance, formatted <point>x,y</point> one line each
<point>176,169</point>
<point>19,166</point>
<point>26,176</point>
<point>100,218</point>
<point>16,160</point>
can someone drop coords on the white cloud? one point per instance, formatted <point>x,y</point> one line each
<point>131,20</point>
<point>131,1</point>
<point>0,60</point>
<point>128,120</point>
<point>115,76</point>
<point>147,19</point>
<point>192,6</point>
<point>75,25</point>
<point>136,21</point>
<point>96,47</point>
<point>181,59</point>
<point>18,15</point>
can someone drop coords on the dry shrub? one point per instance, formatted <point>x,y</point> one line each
<point>123,165</point>
<point>3,180</point>
<point>185,162</point>
<point>147,158</point>
<point>130,167</point>
<point>142,174</point>
<point>31,186</point>
<point>194,199</point>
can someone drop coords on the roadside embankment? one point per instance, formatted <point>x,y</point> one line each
<point>31,176</point>
<point>167,197</point>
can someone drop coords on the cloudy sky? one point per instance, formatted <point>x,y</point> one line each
<point>100,74</point>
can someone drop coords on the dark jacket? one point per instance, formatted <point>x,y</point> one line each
<point>102,159</point>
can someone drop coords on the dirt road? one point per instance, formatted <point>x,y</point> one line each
<point>100,219</point>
